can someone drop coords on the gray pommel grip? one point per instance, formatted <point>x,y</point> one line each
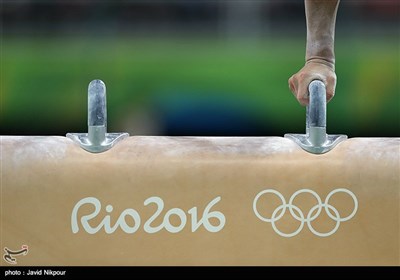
<point>97,112</point>
<point>316,113</point>
<point>317,104</point>
<point>97,107</point>
<point>316,141</point>
<point>97,140</point>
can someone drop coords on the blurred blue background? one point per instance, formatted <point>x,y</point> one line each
<point>192,67</point>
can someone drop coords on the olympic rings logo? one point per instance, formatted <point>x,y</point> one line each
<point>296,212</point>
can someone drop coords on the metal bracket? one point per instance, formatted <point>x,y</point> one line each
<point>316,140</point>
<point>97,139</point>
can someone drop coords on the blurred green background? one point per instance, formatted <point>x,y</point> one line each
<point>192,67</point>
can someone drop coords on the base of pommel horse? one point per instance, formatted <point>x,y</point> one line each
<point>199,201</point>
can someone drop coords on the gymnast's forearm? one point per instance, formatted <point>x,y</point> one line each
<point>321,19</point>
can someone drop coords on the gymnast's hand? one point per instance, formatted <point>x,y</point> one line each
<point>320,55</point>
<point>314,69</point>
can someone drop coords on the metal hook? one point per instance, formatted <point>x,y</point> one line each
<point>316,140</point>
<point>97,139</point>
